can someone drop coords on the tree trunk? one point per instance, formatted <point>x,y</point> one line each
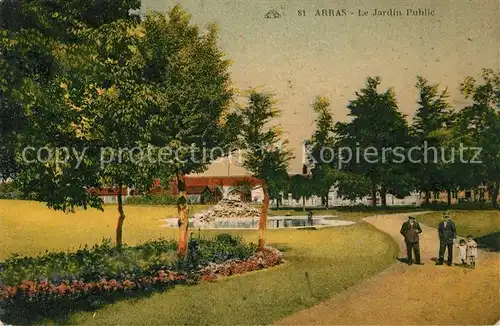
<point>303,203</point>
<point>427,197</point>
<point>374,197</point>
<point>121,218</point>
<point>263,219</point>
<point>182,210</point>
<point>449,197</point>
<point>494,194</point>
<point>383,196</point>
<point>326,201</point>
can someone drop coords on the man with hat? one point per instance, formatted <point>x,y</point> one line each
<point>410,231</point>
<point>447,235</point>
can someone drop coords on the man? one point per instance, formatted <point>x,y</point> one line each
<point>410,231</point>
<point>447,235</point>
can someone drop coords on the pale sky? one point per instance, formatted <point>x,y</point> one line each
<point>300,57</point>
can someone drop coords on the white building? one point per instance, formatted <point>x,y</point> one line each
<point>335,200</point>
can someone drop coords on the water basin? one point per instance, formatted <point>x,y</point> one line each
<point>273,222</point>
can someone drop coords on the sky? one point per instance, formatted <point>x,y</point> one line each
<point>300,57</point>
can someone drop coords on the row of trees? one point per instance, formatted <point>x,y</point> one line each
<point>79,76</point>
<point>375,121</point>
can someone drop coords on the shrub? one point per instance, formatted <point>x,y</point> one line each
<point>8,190</point>
<point>202,252</point>
<point>102,260</point>
<point>152,199</point>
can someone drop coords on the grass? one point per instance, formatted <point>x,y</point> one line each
<point>30,228</point>
<point>484,226</point>
<point>319,264</point>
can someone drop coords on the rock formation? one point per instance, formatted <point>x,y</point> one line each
<point>231,208</point>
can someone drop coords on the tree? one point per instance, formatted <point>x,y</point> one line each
<point>42,48</point>
<point>87,86</point>
<point>301,188</point>
<point>266,156</point>
<point>376,126</point>
<point>320,150</point>
<point>278,187</point>
<point>192,73</point>
<point>432,117</point>
<point>99,105</point>
<point>57,18</point>
<point>353,186</point>
<point>478,125</point>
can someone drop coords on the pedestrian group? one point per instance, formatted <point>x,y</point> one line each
<point>447,238</point>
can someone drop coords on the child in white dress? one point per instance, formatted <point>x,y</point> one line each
<point>471,251</point>
<point>462,250</point>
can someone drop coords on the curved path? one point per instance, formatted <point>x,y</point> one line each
<point>414,295</point>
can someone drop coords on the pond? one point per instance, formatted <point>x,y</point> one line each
<point>273,222</point>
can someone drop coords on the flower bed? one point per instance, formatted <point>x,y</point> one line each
<point>52,284</point>
<point>46,298</point>
<point>269,257</point>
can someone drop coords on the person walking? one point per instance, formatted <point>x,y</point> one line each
<point>410,231</point>
<point>447,236</point>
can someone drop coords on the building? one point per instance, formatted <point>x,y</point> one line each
<point>110,195</point>
<point>335,200</point>
<point>200,188</point>
<point>204,195</point>
<point>481,193</point>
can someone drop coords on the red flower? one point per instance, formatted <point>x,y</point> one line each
<point>62,289</point>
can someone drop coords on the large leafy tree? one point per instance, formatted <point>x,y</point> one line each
<point>192,73</point>
<point>266,155</point>
<point>121,109</point>
<point>376,125</point>
<point>35,34</point>
<point>433,116</point>
<point>320,150</point>
<point>478,125</point>
<point>81,89</point>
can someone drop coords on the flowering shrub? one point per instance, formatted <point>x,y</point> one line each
<point>269,257</point>
<point>46,298</point>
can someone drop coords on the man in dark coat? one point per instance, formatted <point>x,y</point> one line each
<point>447,235</point>
<point>410,231</point>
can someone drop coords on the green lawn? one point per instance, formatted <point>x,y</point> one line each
<point>319,263</point>
<point>484,226</point>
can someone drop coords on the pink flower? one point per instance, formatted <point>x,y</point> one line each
<point>62,289</point>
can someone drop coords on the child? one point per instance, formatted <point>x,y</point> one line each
<point>471,251</point>
<point>462,248</point>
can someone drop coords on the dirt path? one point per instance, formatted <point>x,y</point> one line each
<point>413,295</point>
